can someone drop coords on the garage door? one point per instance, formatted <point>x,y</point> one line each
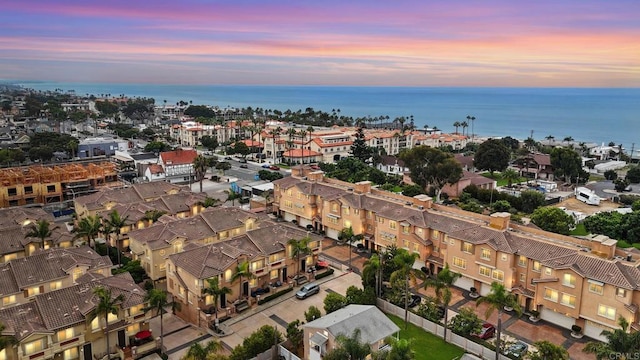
<point>485,289</point>
<point>557,318</point>
<point>289,217</point>
<point>464,283</point>
<point>304,222</point>
<point>593,330</point>
<point>332,233</point>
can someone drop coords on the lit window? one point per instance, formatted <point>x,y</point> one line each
<point>621,292</point>
<point>458,262</point>
<point>486,254</point>
<point>95,324</point>
<point>288,203</point>
<point>3,354</point>
<point>569,280</point>
<point>208,300</point>
<point>77,272</point>
<point>273,274</point>
<point>33,291</point>
<point>255,265</point>
<point>522,261</point>
<point>568,300</point>
<point>416,247</point>
<point>369,214</point>
<point>405,229</point>
<point>345,210</point>
<point>536,266</point>
<point>133,328</point>
<point>347,223</point>
<point>380,220</point>
<point>8,300</point>
<point>392,224</point>
<point>523,277</point>
<point>435,234</point>
<point>596,288</point>
<point>551,294</point>
<point>485,271</point>
<point>71,354</point>
<point>334,207</point>
<point>607,311</point>
<point>228,274</point>
<point>547,271</point>
<point>65,334</point>
<point>34,346</point>
<point>467,247</point>
<point>333,221</point>
<point>135,310</point>
<point>112,318</point>
<point>55,285</point>
<point>497,275</point>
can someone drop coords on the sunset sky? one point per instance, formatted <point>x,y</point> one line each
<point>581,43</point>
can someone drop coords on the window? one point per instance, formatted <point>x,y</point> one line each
<point>66,334</point>
<point>333,221</point>
<point>255,265</point>
<point>551,295</point>
<point>288,203</point>
<point>405,244</point>
<point>569,280</point>
<point>77,272</point>
<point>568,300</point>
<point>523,277</point>
<point>273,274</point>
<point>208,300</point>
<point>3,354</point>
<point>379,220</point>
<point>51,188</point>
<point>334,207</point>
<point>133,328</point>
<point>435,234</point>
<point>162,252</point>
<point>458,262</point>
<point>497,275</point>
<point>369,214</point>
<point>356,211</point>
<point>522,261</point>
<point>345,210</point>
<point>485,271</point>
<point>181,291</point>
<point>607,311</point>
<point>33,291</point>
<point>28,189</point>
<point>392,224</point>
<point>34,346</point>
<point>12,191</point>
<point>95,324</point>
<point>621,292</point>
<point>416,247</point>
<point>467,247</point>
<point>503,257</point>
<point>485,254</point>
<point>228,275</point>
<point>596,288</point>
<point>135,310</point>
<point>8,300</point>
<point>177,247</point>
<point>111,318</point>
<point>347,223</point>
<point>71,354</point>
<point>536,266</point>
<point>275,257</point>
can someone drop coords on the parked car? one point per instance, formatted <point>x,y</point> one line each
<point>488,331</point>
<point>244,166</point>
<point>243,161</point>
<point>273,167</point>
<point>228,158</point>
<point>518,349</point>
<point>266,166</point>
<point>307,290</point>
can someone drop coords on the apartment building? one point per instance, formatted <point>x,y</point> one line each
<point>154,244</point>
<point>189,133</point>
<point>178,165</point>
<point>48,270</point>
<point>569,280</point>
<point>267,251</point>
<point>57,324</point>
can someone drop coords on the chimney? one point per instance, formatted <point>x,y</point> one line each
<point>315,176</point>
<point>604,246</point>
<point>423,201</point>
<point>363,187</point>
<point>500,220</point>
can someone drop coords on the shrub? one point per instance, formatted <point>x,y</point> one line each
<point>576,329</point>
<point>325,274</point>
<point>628,199</point>
<point>534,313</point>
<point>610,175</point>
<point>312,313</point>
<point>274,295</point>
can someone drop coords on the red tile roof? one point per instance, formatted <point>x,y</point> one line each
<point>294,153</point>
<point>178,157</point>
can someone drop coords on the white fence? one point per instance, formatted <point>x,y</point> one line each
<point>438,330</point>
<point>288,355</point>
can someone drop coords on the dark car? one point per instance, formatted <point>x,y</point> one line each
<point>518,349</point>
<point>488,331</point>
<point>228,158</point>
<point>244,166</point>
<point>273,167</point>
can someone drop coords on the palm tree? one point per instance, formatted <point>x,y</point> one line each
<point>42,230</point>
<point>464,125</point>
<point>510,175</point>
<point>347,235</point>
<point>199,352</point>
<point>276,136</point>
<point>117,223</point>
<point>310,130</point>
<point>215,291</point>
<point>153,215</point>
<point>5,340</point>
<point>568,139</point>
<point>88,227</point>
<point>400,349</point>
<point>302,134</point>
<point>299,248</point>
<point>619,341</point>
<point>498,299</point>
<point>200,166</point>
<point>106,305</point>
<point>349,347</point>
<point>374,264</point>
<point>456,125</point>
<point>157,300</point>
<point>404,262</point>
<point>242,271</point>
<point>209,202</point>
<point>442,284</point>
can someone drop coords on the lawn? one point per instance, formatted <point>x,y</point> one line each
<point>499,180</point>
<point>580,230</point>
<point>426,345</point>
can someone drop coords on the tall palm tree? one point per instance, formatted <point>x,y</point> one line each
<point>42,230</point>
<point>456,125</point>
<point>213,288</point>
<point>498,299</point>
<point>302,134</point>
<point>349,347</point>
<point>276,136</point>
<point>510,175</point>
<point>442,284</point>
<point>88,227</point>
<point>464,126</point>
<point>242,271</point>
<point>619,342</point>
<point>157,301</point>
<point>106,305</point>
<point>200,166</point>
<point>199,352</point>
<point>117,222</point>
<point>299,248</point>
<point>5,340</point>
<point>404,262</point>
<point>209,202</point>
<point>310,131</point>
<point>374,265</point>
<point>347,235</point>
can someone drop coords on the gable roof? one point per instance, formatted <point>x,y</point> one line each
<point>373,324</point>
<point>178,157</point>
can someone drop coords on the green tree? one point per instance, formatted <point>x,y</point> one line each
<point>346,235</point>
<point>633,174</point>
<point>619,343</point>
<point>199,352</point>
<point>501,205</point>
<point>210,202</point>
<point>334,301</point>
<point>157,301</point>
<point>6,340</point>
<point>510,175</point>
<point>531,200</point>
<point>299,247</point>
<point>548,351</point>
<point>401,349</point>
<point>553,219</point>
<point>373,270</point>
<point>240,148</point>
<point>157,147</point>
<point>497,300</point>
<point>258,342</point>
<point>466,322</point>
<point>312,313</point>
<point>412,190</point>
<point>210,142</point>
<point>242,271</point>
<point>566,162</point>
<point>492,155</point>
<point>431,167</point>
<point>213,288</point>
<point>153,215</point>
<point>88,227</point>
<point>134,268</point>
<point>223,166</point>
<point>610,175</point>
<point>365,296</point>
<point>406,273</point>
<point>442,284</point>
<point>117,222</point>
<point>349,347</point>
<point>620,184</point>
<point>42,230</point>
<point>106,304</point>
<point>359,148</point>
<point>200,166</point>
<point>295,335</point>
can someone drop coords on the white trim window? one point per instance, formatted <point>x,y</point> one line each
<point>607,311</point>
<point>459,262</point>
<point>551,294</point>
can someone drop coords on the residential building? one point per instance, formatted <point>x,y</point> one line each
<point>58,325</point>
<point>178,165</point>
<point>374,327</point>
<point>586,282</point>
<point>535,165</point>
<point>91,147</point>
<point>267,251</point>
<point>392,165</point>
<point>48,270</point>
<point>154,244</point>
<point>469,178</point>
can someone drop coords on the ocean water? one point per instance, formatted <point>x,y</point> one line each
<point>585,114</point>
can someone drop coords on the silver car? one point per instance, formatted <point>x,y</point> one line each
<point>308,290</point>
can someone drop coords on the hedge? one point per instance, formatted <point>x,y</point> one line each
<point>274,295</point>
<point>325,274</point>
